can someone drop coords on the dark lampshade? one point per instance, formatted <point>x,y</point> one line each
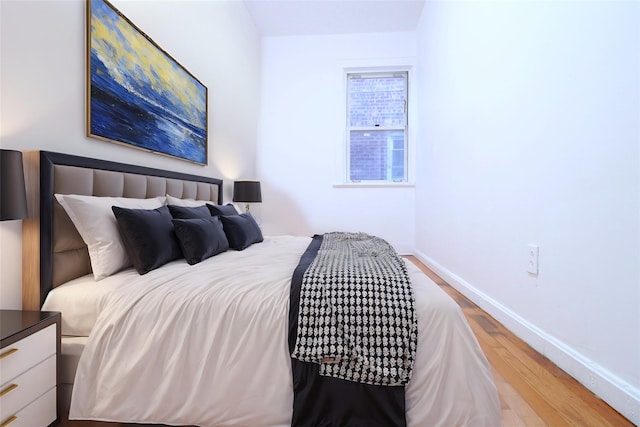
<point>247,191</point>
<point>13,199</point>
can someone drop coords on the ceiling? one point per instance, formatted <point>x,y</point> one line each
<point>306,17</point>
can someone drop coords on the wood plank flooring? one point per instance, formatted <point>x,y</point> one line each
<point>533,391</point>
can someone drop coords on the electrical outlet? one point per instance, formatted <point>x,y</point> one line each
<point>532,259</point>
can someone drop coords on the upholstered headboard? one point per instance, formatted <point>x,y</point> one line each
<point>53,251</point>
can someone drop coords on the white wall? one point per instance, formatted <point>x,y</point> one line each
<point>530,122</point>
<point>42,81</point>
<point>302,139</point>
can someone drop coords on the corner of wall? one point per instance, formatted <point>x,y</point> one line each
<point>619,394</point>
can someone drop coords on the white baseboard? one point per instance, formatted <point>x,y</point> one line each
<point>619,394</point>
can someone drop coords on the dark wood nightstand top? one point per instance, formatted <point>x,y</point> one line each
<point>17,324</point>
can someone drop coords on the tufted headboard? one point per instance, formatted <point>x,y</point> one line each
<point>53,251</point>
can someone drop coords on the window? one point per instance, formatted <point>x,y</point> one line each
<point>377,127</point>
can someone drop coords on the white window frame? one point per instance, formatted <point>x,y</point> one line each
<point>379,66</point>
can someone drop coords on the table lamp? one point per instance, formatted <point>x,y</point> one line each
<point>247,192</point>
<point>13,199</point>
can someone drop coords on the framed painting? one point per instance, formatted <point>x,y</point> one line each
<point>137,94</point>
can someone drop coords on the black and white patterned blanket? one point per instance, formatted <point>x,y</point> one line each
<point>356,312</point>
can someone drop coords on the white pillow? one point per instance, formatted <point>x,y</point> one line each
<point>195,203</point>
<point>186,202</point>
<point>97,226</point>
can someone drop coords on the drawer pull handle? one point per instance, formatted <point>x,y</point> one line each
<point>8,421</point>
<point>8,389</point>
<point>6,354</point>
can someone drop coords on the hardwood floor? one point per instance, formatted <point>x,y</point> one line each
<point>533,391</point>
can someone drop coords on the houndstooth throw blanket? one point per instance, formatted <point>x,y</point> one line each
<point>356,312</point>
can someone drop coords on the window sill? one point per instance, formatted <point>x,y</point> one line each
<point>375,185</point>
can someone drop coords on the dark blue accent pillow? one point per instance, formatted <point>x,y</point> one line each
<point>242,230</point>
<point>227,209</point>
<point>187,212</point>
<point>148,237</point>
<point>200,238</point>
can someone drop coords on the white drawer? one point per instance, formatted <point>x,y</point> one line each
<point>40,413</point>
<point>26,388</point>
<point>26,353</point>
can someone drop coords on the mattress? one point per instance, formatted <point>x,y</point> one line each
<point>207,345</point>
<point>71,349</point>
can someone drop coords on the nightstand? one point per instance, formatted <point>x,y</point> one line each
<point>29,362</point>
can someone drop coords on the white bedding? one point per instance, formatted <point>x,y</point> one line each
<point>80,300</point>
<point>207,345</point>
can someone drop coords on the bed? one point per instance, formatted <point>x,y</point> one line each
<point>207,344</point>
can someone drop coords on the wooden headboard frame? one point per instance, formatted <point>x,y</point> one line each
<point>47,173</point>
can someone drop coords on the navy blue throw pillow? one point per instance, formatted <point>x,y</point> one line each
<point>187,212</point>
<point>200,238</point>
<point>148,237</point>
<point>227,209</point>
<point>242,230</point>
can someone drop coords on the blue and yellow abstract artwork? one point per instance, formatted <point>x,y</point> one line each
<point>138,94</point>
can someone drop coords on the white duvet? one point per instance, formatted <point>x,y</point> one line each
<point>206,345</point>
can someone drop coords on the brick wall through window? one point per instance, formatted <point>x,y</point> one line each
<point>377,127</point>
